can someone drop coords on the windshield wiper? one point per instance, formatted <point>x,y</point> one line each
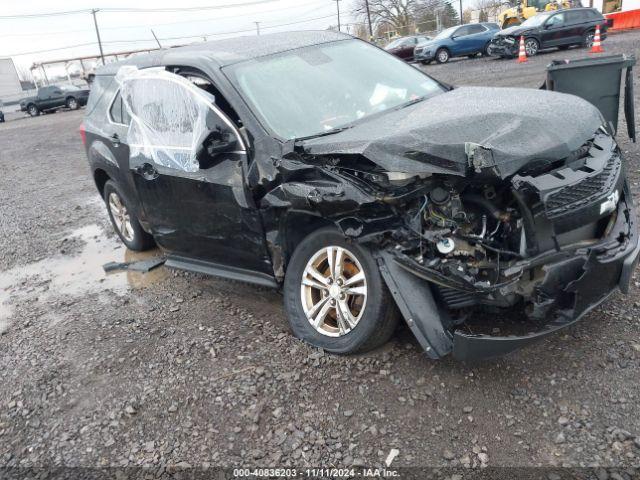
<point>324,134</point>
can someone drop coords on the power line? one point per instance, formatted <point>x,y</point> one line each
<point>171,38</point>
<point>155,24</point>
<point>135,10</point>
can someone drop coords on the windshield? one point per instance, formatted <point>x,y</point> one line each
<point>534,21</point>
<point>446,33</point>
<point>312,90</point>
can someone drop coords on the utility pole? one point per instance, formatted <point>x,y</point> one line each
<point>338,7</point>
<point>257,28</point>
<point>95,22</point>
<point>366,2</point>
<point>154,36</point>
<point>460,12</point>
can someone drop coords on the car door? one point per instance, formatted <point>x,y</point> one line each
<point>477,38</point>
<point>460,43</point>
<point>406,48</point>
<point>188,163</point>
<point>43,97</point>
<point>574,20</point>
<point>56,98</point>
<point>554,30</point>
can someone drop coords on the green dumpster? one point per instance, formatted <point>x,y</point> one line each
<point>598,81</point>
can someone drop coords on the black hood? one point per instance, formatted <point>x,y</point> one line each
<point>518,125</point>
<point>515,31</point>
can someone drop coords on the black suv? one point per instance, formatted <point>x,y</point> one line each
<point>561,28</point>
<point>318,163</point>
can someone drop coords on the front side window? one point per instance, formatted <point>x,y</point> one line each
<point>556,20</point>
<point>313,90</point>
<point>170,117</point>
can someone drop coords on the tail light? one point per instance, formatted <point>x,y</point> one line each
<point>83,134</point>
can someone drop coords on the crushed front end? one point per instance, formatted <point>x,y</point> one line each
<point>545,245</point>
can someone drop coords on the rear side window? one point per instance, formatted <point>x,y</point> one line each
<point>99,86</point>
<point>118,113</point>
<point>475,29</point>
<point>576,16</point>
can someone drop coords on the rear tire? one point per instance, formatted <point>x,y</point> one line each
<point>369,326</point>
<point>124,221</point>
<point>72,103</point>
<point>587,39</point>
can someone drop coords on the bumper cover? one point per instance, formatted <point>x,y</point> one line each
<point>424,55</point>
<point>589,274</point>
<point>502,48</point>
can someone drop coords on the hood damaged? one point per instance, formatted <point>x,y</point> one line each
<point>518,126</point>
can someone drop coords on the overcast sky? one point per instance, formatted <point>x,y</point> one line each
<point>132,30</point>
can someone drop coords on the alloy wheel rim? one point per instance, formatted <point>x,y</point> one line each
<point>121,217</point>
<point>72,104</point>
<point>32,110</point>
<point>333,291</point>
<point>443,56</point>
<point>531,48</point>
<point>590,38</point>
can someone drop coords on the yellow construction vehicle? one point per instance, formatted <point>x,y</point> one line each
<point>528,8</point>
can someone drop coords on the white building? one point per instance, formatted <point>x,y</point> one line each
<point>9,81</point>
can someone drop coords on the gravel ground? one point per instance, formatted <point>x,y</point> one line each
<point>172,368</point>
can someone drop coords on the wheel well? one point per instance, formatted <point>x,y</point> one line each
<point>298,226</point>
<point>101,177</point>
<point>70,97</point>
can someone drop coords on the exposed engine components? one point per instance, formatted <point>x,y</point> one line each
<point>446,245</point>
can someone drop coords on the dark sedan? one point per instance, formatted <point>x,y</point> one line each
<point>403,47</point>
<point>560,29</point>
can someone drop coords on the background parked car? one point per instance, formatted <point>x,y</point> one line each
<point>52,98</point>
<point>403,47</point>
<point>562,29</point>
<point>470,40</point>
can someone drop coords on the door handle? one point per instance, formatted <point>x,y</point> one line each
<point>115,140</point>
<point>147,171</point>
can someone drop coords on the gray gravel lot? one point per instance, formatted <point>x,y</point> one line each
<point>172,368</point>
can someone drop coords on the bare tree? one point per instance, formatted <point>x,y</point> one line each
<point>397,14</point>
<point>489,8</point>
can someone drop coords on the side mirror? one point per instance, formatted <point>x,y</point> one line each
<point>221,142</point>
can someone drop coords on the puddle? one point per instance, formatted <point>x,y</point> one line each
<point>75,275</point>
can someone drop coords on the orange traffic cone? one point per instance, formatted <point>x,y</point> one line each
<point>522,55</point>
<point>596,48</point>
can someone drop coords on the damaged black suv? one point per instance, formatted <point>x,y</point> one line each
<point>364,188</point>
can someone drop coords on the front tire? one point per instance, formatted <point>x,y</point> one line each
<point>124,221</point>
<point>33,110</point>
<point>335,297</point>
<point>442,55</point>
<point>531,47</point>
